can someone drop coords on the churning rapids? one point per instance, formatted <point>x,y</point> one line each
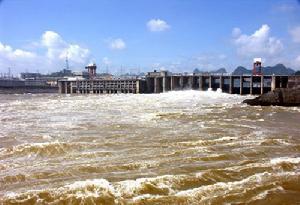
<point>185,147</point>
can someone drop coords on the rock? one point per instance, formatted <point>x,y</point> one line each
<point>279,97</point>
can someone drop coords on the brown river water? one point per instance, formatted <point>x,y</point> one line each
<point>185,147</point>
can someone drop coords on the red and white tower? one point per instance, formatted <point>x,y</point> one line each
<point>91,70</point>
<point>257,68</point>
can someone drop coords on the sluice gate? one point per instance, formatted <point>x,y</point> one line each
<point>158,82</point>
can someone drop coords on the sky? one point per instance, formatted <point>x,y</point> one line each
<point>142,35</point>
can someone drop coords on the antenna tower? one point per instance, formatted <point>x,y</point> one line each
<point>9,72</point>
<point>67,62</point>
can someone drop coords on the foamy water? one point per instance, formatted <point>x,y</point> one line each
<point>185,147</point>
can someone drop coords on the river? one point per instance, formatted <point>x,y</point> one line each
<point>182,147</point>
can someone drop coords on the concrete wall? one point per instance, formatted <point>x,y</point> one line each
<point>11,83</point>
<point>293,82</point>
<point>21,90</point>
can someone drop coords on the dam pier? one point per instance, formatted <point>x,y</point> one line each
<point>164,81</point>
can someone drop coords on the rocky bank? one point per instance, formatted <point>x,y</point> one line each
<point>279,97</point>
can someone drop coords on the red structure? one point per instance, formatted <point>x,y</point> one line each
<point>257,68</point>
<point>91,70</point>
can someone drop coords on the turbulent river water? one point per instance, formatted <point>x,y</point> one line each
<point>185,147</point>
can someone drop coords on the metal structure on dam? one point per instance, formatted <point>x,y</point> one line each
<point>158,82</point>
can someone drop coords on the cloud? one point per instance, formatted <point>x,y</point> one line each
<point>236,32</point>
<point>205,62</point>
<point>222,56</point>
<point>15,58</point>
<point>50,58</point>
<point>157,25</point>
<point>297,62</point>
<point>284,8</point>
<point>75,54</point>
<point>260,43</point>
<point>8,52</point>
<point>51,39</point>
<point>209,61</point>
<point>57,48</point>
<point>295,33</point>
<point>117,44</point>
<point>106,61</point>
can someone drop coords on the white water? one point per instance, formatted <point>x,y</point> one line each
<point>172,148</point>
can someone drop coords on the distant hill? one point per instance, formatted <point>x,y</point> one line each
<point>196,70</point>
<point>240,70</point>
<point>298,72</point>
<point>278,69</point>
<point>221,70</point>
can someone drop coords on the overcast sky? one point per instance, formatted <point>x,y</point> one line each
<point>175,35</point>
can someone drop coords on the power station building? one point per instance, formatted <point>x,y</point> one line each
<point>100,85</point>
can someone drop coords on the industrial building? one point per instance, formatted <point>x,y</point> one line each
<point>100,85</point>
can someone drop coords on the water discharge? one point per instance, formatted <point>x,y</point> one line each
<point>184,147</point>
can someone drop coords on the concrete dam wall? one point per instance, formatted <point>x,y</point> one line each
<point>158,82</point>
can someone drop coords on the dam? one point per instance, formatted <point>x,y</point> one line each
<point>164,81</point>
